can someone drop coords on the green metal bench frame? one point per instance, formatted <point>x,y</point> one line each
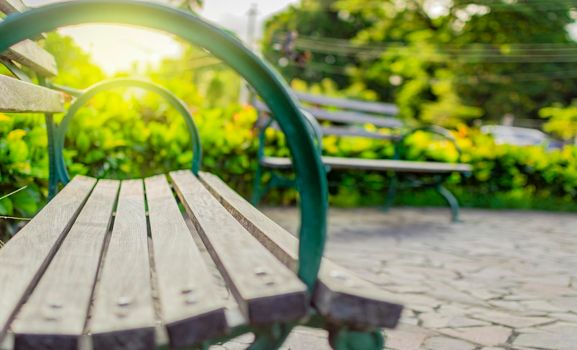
<point>310,172</point>
<point>57,133</point>
<point>436,182</point>
<point>397,180</point>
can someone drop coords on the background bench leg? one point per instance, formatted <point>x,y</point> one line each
<point>271,338</point>
<point>276,181</point>
<point>257,186</point>
<point>391,193</point>
<point>344,339</point>
<point>452,200</point>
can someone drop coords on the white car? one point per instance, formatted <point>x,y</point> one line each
<point>512,135</point>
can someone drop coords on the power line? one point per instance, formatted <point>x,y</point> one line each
<point>457,47</point>
<point>467,80</point>
<point>509,53</point>
<point>436,56</point>
<point>519,6</point>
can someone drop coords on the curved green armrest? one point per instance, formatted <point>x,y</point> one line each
<point>84,96</point>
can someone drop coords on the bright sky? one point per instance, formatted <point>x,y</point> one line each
<point>117,48</point>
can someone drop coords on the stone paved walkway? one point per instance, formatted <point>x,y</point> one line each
<point>499,280</point>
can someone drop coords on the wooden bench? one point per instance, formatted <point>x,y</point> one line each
<point>348,118</point>
<point>110,264</point>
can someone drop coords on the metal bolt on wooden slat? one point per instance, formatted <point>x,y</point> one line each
<point>260,271</point>
<point>124,301</point>
<point>338,275</point>
<point>187,290</point>
<point>54,305</point>
<point>51,318</point>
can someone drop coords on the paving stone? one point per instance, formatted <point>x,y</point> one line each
<point>559,337</point>
<point>507,305</point>
<point>483,294</point>
<point>540,305</point>
<point>438,320</point>
<point>488,335</point>
<point>511,320</point>
<point>568,317</point>
<point>568,304</point>
<point>303,338</point>
<point>461,322</point>
<point>406,338</point>
<point>445,343</point>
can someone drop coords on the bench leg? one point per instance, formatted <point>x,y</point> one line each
<point>276,181</point>
<point>452,200</point>
<point>257,186</point>
<point>391,193</point>
<point>270,339</point>
<point>344,339</point>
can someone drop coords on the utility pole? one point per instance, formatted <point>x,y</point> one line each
<point>244,95</point>
<point>251,27</point>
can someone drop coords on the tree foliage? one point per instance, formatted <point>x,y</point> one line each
<point>441,61</point>
<point>561,121</point>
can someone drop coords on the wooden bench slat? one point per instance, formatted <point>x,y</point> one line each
<point>25,256</point>
<point>340,295</point>
<point>357,132</point>
<point>19,96</point>
<point>190,309</point>
<point>29,54</point>
<point>346,117</point>
<point>349,131</point>
<point>265,289</point>
<point>123,312</point>
<point>362,106</point>
<point>397,165</point>
<point>9,6</point>
<point>55,314</point>
<point>376,164</point>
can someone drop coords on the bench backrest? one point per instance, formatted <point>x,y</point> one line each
<point>19,93</point>
<point>349,104</point>
<point>346,117</point>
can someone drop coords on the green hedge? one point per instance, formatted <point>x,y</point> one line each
<point>504,176</point>
<point>128,134</point>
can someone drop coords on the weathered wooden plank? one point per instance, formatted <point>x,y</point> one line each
<point>349,131</point>
<point>55,314</point>
<point>396,165</point>
<point>340,295</point>
<point>358,132</point>
<point>348,117</point>
<point>265,289</point>
<point>402,166</point>
<point>29,54</point>
<point>344,117</point>
<point>123,314</point>
<point>9,6</point>
<point>357,105</point>
<point>19,96</point>
<point>190,310</point>
<point>23,259</point>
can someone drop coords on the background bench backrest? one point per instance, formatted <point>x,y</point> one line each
<point>20,92</point>
<point>345,117</point>
<point>349,104</point>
